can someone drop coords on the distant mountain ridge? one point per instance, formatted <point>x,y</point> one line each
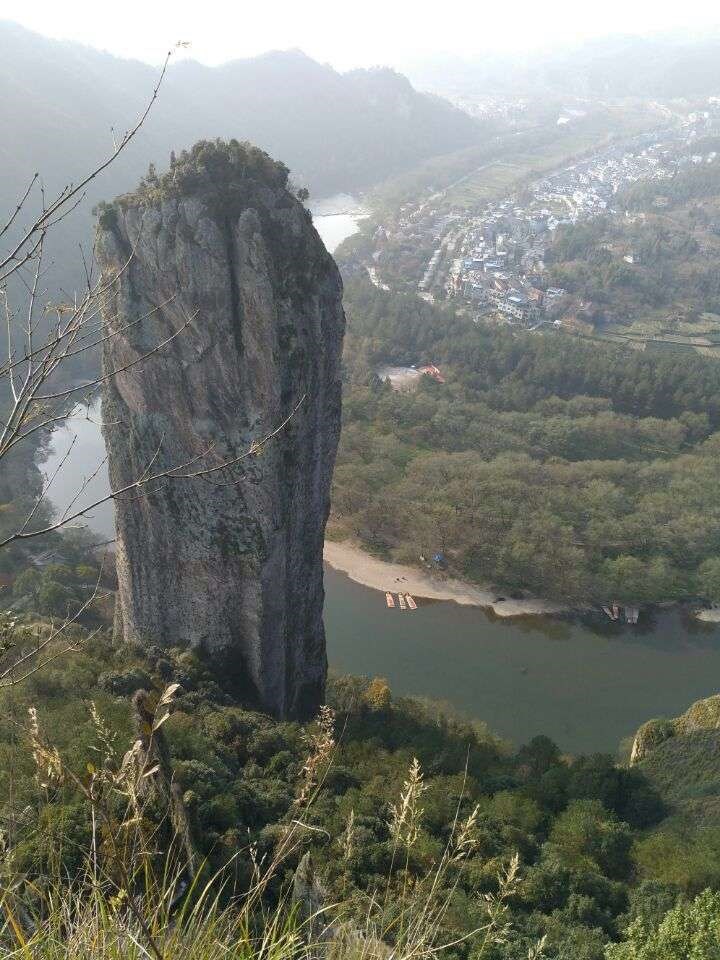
<point>63,105</point>
<point>335,131</point>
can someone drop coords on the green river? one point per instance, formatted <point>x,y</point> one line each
<point>587,683</point>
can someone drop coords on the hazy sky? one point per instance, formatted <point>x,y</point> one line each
<point>350,33</point>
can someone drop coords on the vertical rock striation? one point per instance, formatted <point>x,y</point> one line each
<point>229,563</point>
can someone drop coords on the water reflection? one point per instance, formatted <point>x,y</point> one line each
<point>77,461</point>
<point>336,218</point>
<point>584,681</point>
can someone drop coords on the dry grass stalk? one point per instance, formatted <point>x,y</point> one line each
<point>406,815</point>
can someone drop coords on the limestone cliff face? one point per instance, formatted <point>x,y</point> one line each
<point>229,563</point>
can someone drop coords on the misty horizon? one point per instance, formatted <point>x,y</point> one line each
<point>381,38</point>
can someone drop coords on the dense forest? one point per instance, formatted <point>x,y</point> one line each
<point>572,469</point>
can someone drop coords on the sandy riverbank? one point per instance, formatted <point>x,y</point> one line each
<point>380,575</point>
<point>709,616</point>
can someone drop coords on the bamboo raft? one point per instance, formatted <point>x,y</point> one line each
<point>389,600</point>
<point>401,601</point>
<point>410,602</point>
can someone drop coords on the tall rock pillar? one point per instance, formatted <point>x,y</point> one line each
<point>221,283</point>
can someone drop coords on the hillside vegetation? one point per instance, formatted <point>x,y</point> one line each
<point>681,757</point>
<point>386,822</point>
<point>422,829</point>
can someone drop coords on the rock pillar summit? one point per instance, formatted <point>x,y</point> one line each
<point>221,283</point>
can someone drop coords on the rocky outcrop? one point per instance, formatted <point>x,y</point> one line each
<point>703,715</point>
<point>220,265</point>
<point>649,736</point>
<point>681,759</point>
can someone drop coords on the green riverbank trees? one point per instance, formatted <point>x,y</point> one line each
<point>571,469</point>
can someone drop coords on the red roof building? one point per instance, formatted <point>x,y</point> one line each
<point>432,371</point>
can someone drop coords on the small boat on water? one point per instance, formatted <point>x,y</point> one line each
<point>401,601</point>
<point>610,613</point>
<point>410,602</point>
<point>389,600</point>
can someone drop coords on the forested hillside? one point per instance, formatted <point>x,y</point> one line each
<point>572,469</point>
